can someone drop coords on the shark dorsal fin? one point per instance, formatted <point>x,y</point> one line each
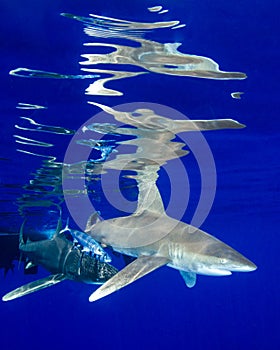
<point>59,223</point>
<point>93,220</point>
<point>65,229</point>
<point>21,240</point>
<point>58,227</point>
<point>149,199</point>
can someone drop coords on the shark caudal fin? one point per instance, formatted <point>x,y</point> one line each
<point>34,286</point>
<point>137,269</point>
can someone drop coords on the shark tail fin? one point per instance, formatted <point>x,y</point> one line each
<point>93,220</point>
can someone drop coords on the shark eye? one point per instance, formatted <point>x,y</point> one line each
<point>223,261</point>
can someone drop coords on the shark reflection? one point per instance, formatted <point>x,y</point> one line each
<point>148,56</point>
<point>152,135</point>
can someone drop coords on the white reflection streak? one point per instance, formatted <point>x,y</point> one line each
<point>31,142</point>
<point>51,158</point>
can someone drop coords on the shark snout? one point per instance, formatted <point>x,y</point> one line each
<point>228,259</point>
<point>244,265</point>
<point>237,262</point>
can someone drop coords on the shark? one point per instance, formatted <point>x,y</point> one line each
<point>63,259</point>
<point>156,239</point>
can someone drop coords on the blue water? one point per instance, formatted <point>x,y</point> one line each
<point>157,312</point>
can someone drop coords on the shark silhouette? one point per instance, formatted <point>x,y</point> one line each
<point>63,259</point>
<point>156,240</point>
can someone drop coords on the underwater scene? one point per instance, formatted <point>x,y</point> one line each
<point>139,183</point>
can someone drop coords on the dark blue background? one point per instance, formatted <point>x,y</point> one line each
<point>158,311</point>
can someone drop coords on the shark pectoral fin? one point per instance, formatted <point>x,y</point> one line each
<point>189,278</point>
<point>137,269</point>
<point>34,286</point>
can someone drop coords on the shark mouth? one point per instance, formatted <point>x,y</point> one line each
<point>214,272</point>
